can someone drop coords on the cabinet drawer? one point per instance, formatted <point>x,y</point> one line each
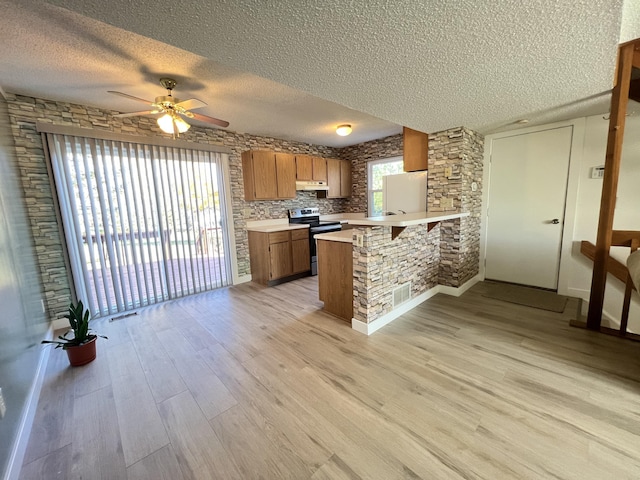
<point>301,234</point>
<point>278,237</point>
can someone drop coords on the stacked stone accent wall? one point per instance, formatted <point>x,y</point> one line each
<point>359,155</point>
<point>456,257</point>
<point>461,150</point>
<point>25,111</point>
<point>382,264</point>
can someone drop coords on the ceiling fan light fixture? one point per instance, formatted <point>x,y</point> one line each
<point>166,123</point>
<point>344,130</point>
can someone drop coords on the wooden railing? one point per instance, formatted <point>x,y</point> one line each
<point>619,238</point>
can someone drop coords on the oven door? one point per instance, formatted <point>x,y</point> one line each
<point>313,231</point>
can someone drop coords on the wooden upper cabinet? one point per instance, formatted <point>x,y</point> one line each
<point>311,168</point>
<point>319,169</point>
<point>268,175</point>
<point>286,175</point>
<point>345,178</point>
<point>259,171</point>
<point>415,149</point>
<point>304,167</point>
<point>338,178</point>
<point>333,178</point>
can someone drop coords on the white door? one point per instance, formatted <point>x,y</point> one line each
<point>527,192</point>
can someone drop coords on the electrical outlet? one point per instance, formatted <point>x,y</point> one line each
<point>448,171</point>
<point>3,406</point>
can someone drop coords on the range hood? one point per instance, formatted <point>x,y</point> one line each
<point>314,185</point>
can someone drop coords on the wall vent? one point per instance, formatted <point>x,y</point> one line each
<point>401,294</point>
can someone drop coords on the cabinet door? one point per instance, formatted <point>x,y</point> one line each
<point>333,178</point>
<point>301,255</point>
<point>280,258</point>
<point>345,178</point>
<point>304,167</point>
<point>415,148</point>
<point>319,169</point>
<point>286,175</point>
<point>264,175</point>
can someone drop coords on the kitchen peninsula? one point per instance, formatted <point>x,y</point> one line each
<point>395,261</point>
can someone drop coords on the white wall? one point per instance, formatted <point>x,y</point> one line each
<point>626,217</point>
<point>630,21</point>
<point>583,205</point>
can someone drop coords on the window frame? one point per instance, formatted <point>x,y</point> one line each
<point>370,190</point>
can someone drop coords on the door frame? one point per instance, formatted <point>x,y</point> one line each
<point>575,159</point>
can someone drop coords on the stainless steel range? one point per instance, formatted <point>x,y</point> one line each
<point>311,217</point>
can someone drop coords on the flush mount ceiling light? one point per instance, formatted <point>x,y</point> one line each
<point>344,130</point>
<point>170,123</point>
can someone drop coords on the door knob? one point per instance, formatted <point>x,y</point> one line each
<point>555,221</point>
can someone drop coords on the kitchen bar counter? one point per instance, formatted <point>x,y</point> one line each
<point>345,236</point>
<point>407,219</point>
<point>276,228</point>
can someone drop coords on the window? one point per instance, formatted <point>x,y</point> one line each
<point>143,223</point>
<point>376,170</point>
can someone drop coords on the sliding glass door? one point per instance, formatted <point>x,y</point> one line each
<point>143,223</point>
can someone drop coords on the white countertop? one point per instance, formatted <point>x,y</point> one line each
<point>407,219</point>
<point>276,227</point>
<point>345,236</point>
<point>342,217</point>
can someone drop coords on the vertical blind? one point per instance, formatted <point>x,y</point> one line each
<point>143,223</point>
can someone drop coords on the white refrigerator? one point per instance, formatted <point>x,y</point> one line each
<point>406,192</point>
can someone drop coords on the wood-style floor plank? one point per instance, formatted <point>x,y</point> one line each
<point>198,449</point>
<point>207,389</point>
<point>54,466</point>
<point>160,465</point>
<point>141,428</point>
<point>96,449</point>
<point>253,382</point>
<point>253,453</point>
<point>162,376</point>
<point>53,421</point>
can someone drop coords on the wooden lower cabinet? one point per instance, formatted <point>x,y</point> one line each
<point>335,277</point>
<point>300,255</point>
<point>274,256</point>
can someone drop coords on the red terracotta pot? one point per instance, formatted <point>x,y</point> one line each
<point>82,354</point>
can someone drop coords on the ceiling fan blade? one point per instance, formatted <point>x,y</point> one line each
<point>206,118</point>
<point>133,114</point>
<point>131,97</point>
<point>191,104</point>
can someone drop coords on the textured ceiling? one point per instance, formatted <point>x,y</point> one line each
<point>430,65</point>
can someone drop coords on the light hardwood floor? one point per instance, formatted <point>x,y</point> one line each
<point>258,383</point>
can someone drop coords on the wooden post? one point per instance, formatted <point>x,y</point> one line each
<point>619,100</point>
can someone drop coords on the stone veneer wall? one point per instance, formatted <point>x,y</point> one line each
<point>382,264</point>
<point>462,150</point>
<point>25,111</point>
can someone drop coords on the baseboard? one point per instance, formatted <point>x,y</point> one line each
<point>60,323</point>
<point>241,279</point>
<point>28,414</point>
<point>457,291</point>
<point>369,328</point>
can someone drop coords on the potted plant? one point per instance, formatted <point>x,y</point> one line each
<point>81,349</point>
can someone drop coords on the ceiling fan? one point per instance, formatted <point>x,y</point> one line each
<point>173,110</point>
